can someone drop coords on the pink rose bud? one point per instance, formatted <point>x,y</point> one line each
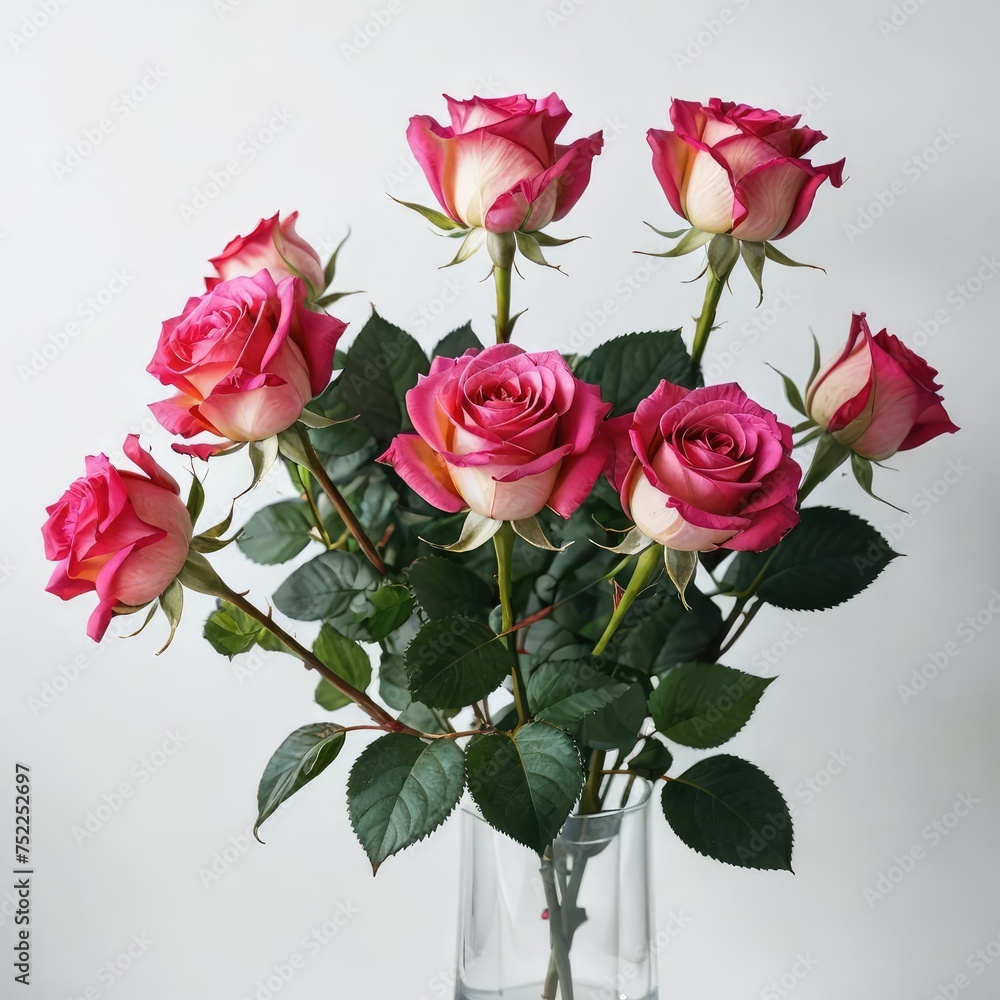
<point>120,533</point>
<point>245,358</point>
<point>730,168</point>
<point>503,433</point>
<point>700,469</point>
<point>274,246</point>
<point>877,397</point>
<point>498,165</point>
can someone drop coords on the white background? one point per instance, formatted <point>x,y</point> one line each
<point>884,94</point>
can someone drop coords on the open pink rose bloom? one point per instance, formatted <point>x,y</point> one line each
<point>245,358</point>
<point>699,469</point>
<point>503,433</point>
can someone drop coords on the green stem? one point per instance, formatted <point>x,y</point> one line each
<point>307,493</point>
<point>501,277</point>
<point>340,505</point>
<point>649,561</point>
<point>559,966</point>
<point>830,454</point>
<point>503,542</point>
<point>704,327</point>
<point>590,801</point>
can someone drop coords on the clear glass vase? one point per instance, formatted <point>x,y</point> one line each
<point>582,915</point>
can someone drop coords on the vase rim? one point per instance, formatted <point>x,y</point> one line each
<point>643,785</point>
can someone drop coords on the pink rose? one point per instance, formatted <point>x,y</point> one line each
<point>877,397</point>
<point>246,357</point>
<point>504,433</point>
<point>274,246</point>
<point>119,533</point>
<point>498,165</point>
<point>730,168</point>
<point>700,469</point>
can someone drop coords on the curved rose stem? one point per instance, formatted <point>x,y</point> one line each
<point>374,712</point>
<point>340,505</point>
<point>301,475</point>
<point>503,542</point>
<point>501,277</point>
<point>647,564</point>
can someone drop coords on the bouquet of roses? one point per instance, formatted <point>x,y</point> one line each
<point>529,571</point>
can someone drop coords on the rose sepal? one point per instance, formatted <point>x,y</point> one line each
<point>632,544</point>
<point>681,567</point>
<point>863,473</point>
<point>477,530</point>
<point>531,531</point>
<point>691,239</point>
<point>433,216</point>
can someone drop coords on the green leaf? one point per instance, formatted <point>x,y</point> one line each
<point>393,689</point>
<point>230,631</point>
<point>276,533</point>
<point>703,705</point>
<point>445,588</point>
<point>457,342</point>
<point>454,662</point>
<point>347,660</point>
<point>667,635</point>
<point>382,365</point>
<point>334,586</point>
<point>400,790</point>
<point>629,368</point>
<point>617,725</point>
<point>826,559</point>
<point>525,784</point>
<point>564,691</point>
<point>299,759</point>
<point>394,604</point>
<point>652,761</point>
<point>730,810</point>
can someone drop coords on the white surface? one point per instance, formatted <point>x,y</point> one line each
<point>225,70</point>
